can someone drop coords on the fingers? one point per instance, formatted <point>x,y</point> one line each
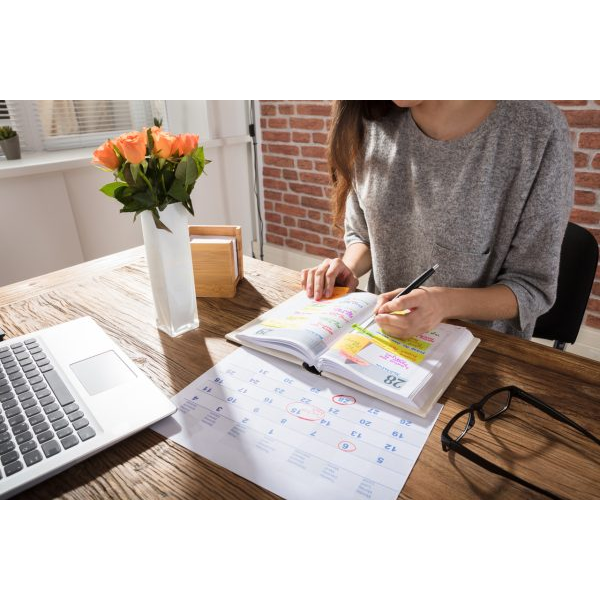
<point>411,300</point>
<point>320,281</point>
<point>401,326</point>
<point>384,298</point>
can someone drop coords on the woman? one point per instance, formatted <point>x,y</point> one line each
<point>483,188</point>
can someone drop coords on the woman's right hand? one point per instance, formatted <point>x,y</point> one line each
<point>319,281</point>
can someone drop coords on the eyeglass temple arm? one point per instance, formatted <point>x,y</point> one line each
<point>490,466</point>
<point>557,415</point>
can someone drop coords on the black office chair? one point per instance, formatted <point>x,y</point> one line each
<point>578,263</point>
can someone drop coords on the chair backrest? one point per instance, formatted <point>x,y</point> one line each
<point>578,263</point>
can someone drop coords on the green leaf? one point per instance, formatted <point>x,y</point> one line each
<point>134,171</point>
<point>110,188</point>
<point>145,200</point>
<point>178,191</point>
<point>191,172</point>
<point>181,169</point>
<point>159,224</point>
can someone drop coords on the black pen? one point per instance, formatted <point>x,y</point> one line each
<point>419,281</point>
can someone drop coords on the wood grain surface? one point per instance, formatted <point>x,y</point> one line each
<point>115,291</point>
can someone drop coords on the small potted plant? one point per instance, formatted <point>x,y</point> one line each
<point>9,142</point>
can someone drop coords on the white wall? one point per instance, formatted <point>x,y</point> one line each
<point>53,215</point>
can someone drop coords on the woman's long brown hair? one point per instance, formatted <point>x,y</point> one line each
<point>346,138</point>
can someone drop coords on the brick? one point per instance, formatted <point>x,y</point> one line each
<point>303,188</point>
<point>319,138</point>
<point>291,198</point>
<point>315,215</point>
<point>268,205</point>
<point>595,233</point>
<point>267,109</point>
<point>277,136</point>
<point>596,161</point>
<point>272,217</point>
<point>586,197</point>
<point>321,166</point>
<point>263,123</point>
<point>320,152</point>
<point>284,149</point>
<point>596,288</point>
<point>312,124</point>
<point>316,227</point>
<point>274,184</point>
<point>289,221</point>
<point>278,161</point>
<point>321,251</point>
<point>589,140</point>
<point>307,165</point>
<point>271,195</point>
<point>336,243</point>
<point>295,244</point>
<point>582,118</point>
<point>274,239</point>
<point>290,175</point>
<point>316,203</point>
<point>305,236</point>
<point>581,159</point>
<point>271,172</point>
<point>323,110</point>
<point>311,177</point>
<point>585,217</point>
<point>587,180</point>
<point>277,229</point>
<point>570,102</point>
<point>286,109</point>
<point>591,320</point>
<point>301,137</point>
<point>594,305</point>
<point>294,211</point>
<point>278,123</point>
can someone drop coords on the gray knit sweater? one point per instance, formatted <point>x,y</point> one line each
<point>490,207</point>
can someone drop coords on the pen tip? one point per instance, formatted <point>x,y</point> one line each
<point>435,266</point>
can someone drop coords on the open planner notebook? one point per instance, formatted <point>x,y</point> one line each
<point>327,337</point>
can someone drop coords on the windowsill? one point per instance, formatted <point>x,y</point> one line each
<point>32,163</point>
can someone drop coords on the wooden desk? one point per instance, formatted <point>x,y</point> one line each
<point>115,291</point>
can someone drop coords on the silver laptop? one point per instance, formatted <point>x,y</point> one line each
<point>67,392</point>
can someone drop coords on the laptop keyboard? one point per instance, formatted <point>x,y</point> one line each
<point>39,417</point>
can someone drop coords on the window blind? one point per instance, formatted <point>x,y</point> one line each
<point>62,124</point>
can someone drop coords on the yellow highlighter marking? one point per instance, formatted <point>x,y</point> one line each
<point>413,349</point>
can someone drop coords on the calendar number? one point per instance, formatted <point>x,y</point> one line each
<point>393,381</point>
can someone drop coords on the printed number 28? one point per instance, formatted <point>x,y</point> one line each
<point>393,381</point>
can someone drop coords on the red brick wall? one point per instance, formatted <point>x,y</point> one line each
<point>296,184</point>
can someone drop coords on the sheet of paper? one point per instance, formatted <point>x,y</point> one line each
<point>296,434</point>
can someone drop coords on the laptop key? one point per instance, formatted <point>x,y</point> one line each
<point>7,396</point>
<point>38,387</point>
<point>63,395</point>
<point>51,448</point>
<point>38,356</point>
<point>7,447</point>
<point>71,408</point>
<point>45,368</point>
<point>55,416</point>
<point>65,431</point>
<point>30,341</point>
<point>16,420</point>
<point>80,423</point>
<point>8,404</point>
<point>33,457</point>
<point>69,441</point>
<point>9,457</point>
<point>41,427</point>
<point>76,415</point>
<point>17,345</point>
<point>13,412</point>
<point>28,446</point>
<point>19,429</point>
<point>22,388</point>
<point>28,404</point>
<point>23,437</point>
<point>25,360</point>
<point>39,418</point>
<point>45,436</point>
<point>5,437</point>
<point>25,396</point>
<point>13,468</point>
<point>46,400</point>
<point>60,424</point>
<point>51,407</point>
<point>29,367</point>
<point>86,433</point>
<point>32,411</point>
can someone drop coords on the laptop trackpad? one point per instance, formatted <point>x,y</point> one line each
<point>102,372</point>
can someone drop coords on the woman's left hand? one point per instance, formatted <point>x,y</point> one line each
<point>427,310</point>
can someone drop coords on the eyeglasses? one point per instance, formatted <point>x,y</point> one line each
<point>488,408</point>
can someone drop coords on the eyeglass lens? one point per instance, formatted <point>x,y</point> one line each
<point>495,404</point>
<point>459,427</point>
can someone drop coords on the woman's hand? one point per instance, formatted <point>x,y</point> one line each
<point>319,281</point>
<point>427,310</point>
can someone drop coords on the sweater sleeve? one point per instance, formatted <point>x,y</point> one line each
<point>530,269</point>
<point>355,224</point>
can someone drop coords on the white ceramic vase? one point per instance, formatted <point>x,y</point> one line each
<point>170,266</point>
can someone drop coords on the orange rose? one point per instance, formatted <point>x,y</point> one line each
<point>163,142</point>
<point>185,143</point>
<point>132,146</point>
<point>105,156</point>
